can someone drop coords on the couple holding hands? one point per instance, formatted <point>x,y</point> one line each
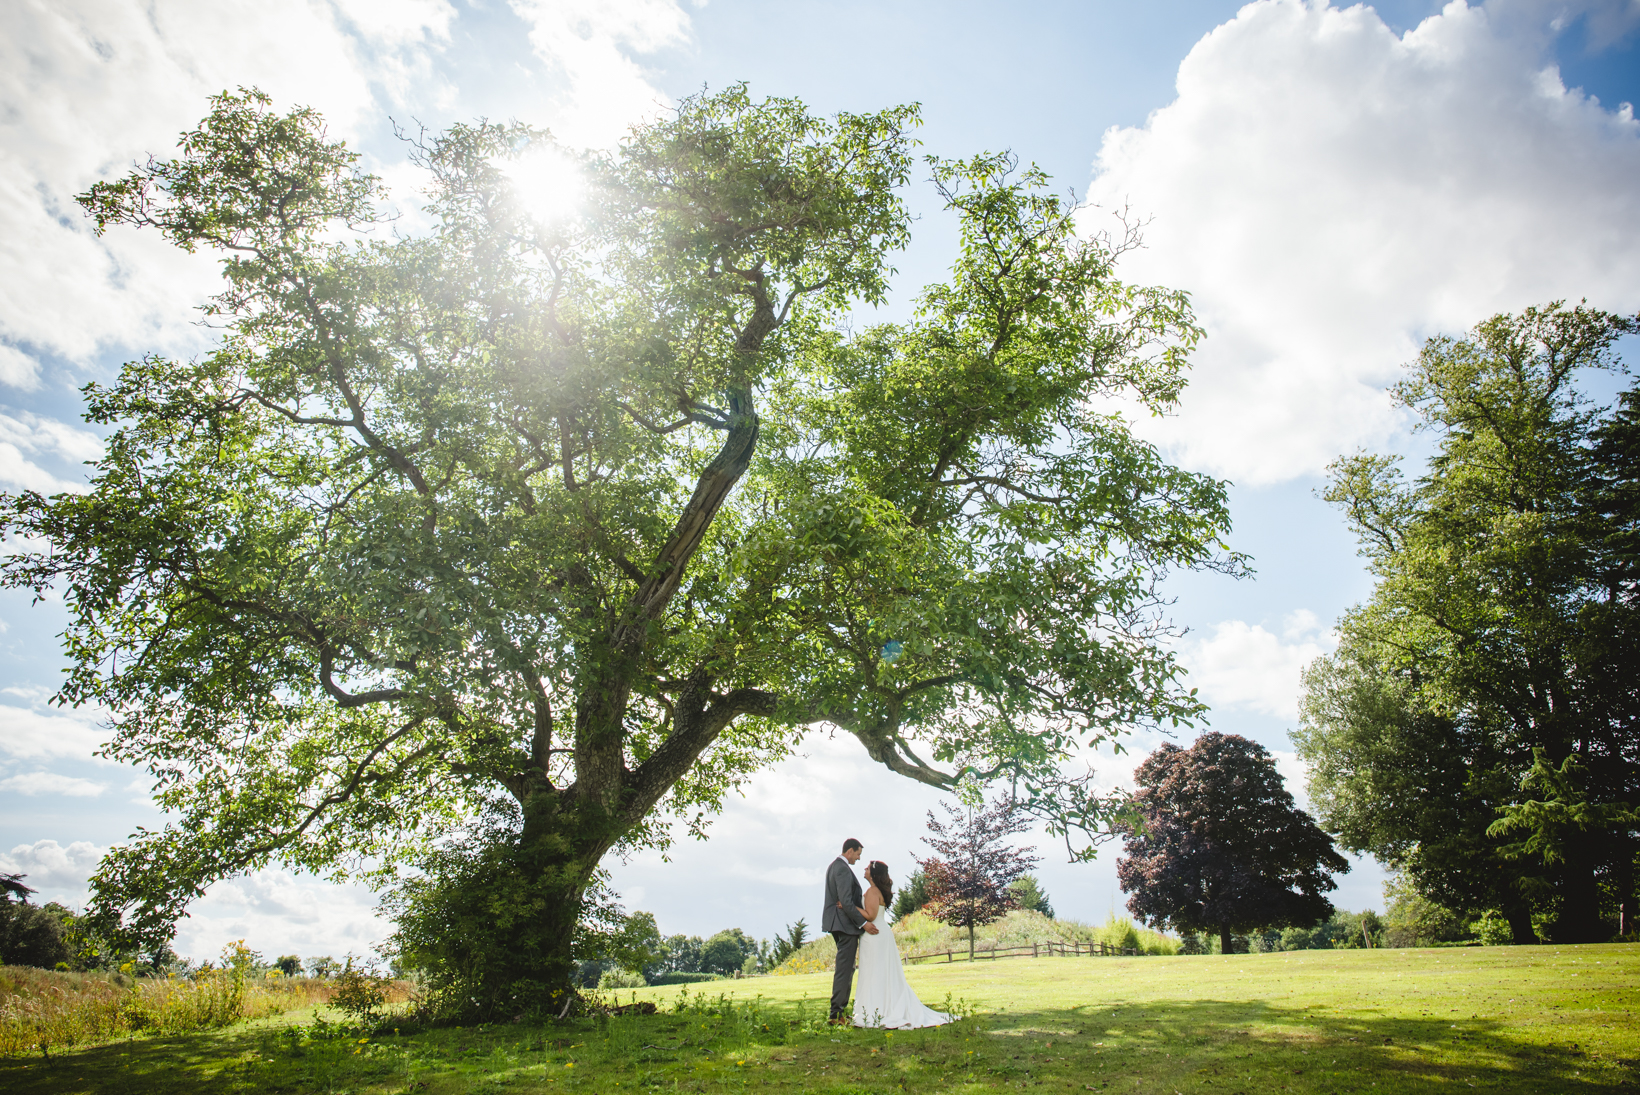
<point>855,918</point>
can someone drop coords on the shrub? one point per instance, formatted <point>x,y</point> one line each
<point>360,993</point>
<point>1494,931</point>
<point>621,979</point>
<point>681,977</point>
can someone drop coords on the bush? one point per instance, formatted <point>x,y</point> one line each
<point>359,993</point>
<point>621,979</point>
<point>680,977</point>
<point>56,1009</point>
<point>1494,931</point>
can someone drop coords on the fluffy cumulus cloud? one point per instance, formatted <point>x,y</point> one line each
<point>592,48</point>
<point>58,873</point>
<point>274,911</point>
<point>32,729</point>
<point>1245,667</point>
<point>278,912</point>
<point>1332,193</point>
<point>89,86</point>
<point>26,437</point>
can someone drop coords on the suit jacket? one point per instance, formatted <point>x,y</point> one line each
<point>842,885</point>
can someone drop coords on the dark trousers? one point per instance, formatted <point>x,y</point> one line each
<point>842,979</point>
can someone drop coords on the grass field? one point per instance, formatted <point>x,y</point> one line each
<point>1515,1019</point>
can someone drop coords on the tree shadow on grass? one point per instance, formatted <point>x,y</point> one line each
<point>1260,1047</point>
<point>200,1063</point>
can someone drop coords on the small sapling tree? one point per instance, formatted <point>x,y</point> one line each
<point>971,875</point>
<point>790,943</point>
<point>1218,845</point>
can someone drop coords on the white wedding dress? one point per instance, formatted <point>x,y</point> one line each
<point>882,996</point>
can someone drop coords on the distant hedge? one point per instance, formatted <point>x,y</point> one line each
<point>676,978</point>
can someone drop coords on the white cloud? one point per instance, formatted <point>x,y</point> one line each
<point>278,912</point>
<point>88,86</point>
<point>17,369</point>
<point>1243,666</point>
<point>273,910</point>
<point>1332,194</point>
<point>1294,774</point>
<point>589,45</point>
<point>50,783</point>
<point>58,873</point>
<point>38,732</point>
<point>31,435</point>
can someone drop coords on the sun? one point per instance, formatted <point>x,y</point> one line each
<point>549,183</point>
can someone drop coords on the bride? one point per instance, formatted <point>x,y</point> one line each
<point>883,998</point>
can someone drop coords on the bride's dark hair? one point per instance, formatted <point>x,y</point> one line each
<point>878,873</point>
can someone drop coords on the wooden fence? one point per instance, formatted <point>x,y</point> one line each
<point>1035,950</point>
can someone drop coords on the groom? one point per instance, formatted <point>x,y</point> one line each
<point>842,919</point>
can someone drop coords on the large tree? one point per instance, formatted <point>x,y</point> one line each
<point>1476,725</point>
<point>1216,844</point>
<point>489,549</point>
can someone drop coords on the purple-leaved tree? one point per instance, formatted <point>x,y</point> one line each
<point>974,864</point>
<point>1218,845</point>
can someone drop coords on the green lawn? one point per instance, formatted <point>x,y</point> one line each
<point>1517,1019</point>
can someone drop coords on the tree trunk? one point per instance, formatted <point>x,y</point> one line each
<point>970,939</point>
<point>1225,944</point>
<point>1624,876</point>
<point>1521,932</point>
<point>1579,918</point>
<point>498,921</point>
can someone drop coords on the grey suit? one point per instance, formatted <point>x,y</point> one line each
<point>845,926</point>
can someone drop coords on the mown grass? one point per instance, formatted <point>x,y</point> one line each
<point>1530,1019</point>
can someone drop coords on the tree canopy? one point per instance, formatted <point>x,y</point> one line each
<point>1218,846</point>
<point>490,548</point>
<point>1476,726</point>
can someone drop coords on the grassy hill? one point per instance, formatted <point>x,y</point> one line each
<point>1543,1020</point>
<point>922,934</point>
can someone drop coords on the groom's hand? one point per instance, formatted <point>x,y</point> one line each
<point>870,927</point>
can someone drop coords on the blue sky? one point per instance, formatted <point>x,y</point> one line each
<point>1331,184</point>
